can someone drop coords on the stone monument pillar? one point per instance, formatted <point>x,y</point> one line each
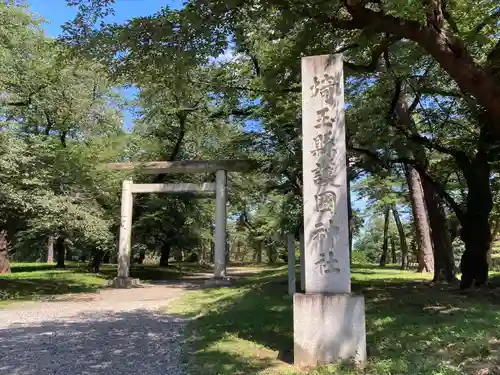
<point>329,321</point>
<point>290,243</point>
<point>302,263</point>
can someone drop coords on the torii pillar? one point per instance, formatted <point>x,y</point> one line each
<point>220,224</point>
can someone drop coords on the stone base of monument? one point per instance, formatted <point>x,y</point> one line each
<point>218,282</point>
<point>123,282</point>
<point>328,328</point>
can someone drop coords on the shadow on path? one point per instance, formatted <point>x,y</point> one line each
<point>139,342</point>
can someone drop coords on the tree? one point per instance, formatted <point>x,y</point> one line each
<point>420,219</point>
<point>385,26</point>
<point>446,53</point>
<point>385,246</point>
<point>402,239</point>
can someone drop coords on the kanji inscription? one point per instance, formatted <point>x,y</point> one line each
<point>324,119</point>
<point>319,232</point>
<point>327,263</point>
<point>324,144</point>
<point>324,171</point>
<point>325,201</point>
<point>326,86</point>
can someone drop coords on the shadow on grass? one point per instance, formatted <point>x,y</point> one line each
<point>32,267</point>
<point>153,272</point>
<point>413,327</point>
<point>33,288</point>
<point>375,267</point>
<point>40,281</point>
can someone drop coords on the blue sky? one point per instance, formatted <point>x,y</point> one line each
<point>56,12</point>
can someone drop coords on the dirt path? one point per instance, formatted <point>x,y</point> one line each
<point>114,331</point>
<point>111,332</point>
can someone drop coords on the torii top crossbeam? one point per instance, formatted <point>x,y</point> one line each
<point>187,166</point>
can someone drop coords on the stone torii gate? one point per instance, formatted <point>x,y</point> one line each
<point>220,167</point>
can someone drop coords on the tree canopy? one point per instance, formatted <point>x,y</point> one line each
<point>221,79</point>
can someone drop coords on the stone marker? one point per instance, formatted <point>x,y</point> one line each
<point>302,263</point>
<point>290,240</point>
<point>329,321</point>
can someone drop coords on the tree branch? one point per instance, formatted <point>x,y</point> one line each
<point>234,112</point>
<point>434,14</point>
<point>182,132</point>
<point>447,48</point>
<point>395,99</point>
<point>404,160</point>
<point>429,143</point>
<point>439,91</point>
<point>415,102</point>
<point>377,52</point>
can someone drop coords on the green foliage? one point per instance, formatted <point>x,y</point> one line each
<point>195,105</point>
<point>360,257</point>
<point>61,122</point>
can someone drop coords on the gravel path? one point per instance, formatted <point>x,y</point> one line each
<point>111,332</point>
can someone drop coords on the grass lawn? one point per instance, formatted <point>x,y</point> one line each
<point>412,326</point>
<point>33,281</point>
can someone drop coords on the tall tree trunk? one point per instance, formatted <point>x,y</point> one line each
<point>50,250</point>
<point>444,261</point>
<point>425,255</point>
<point>97,260</point>
<point>259,251</point>
<point>272,254</point>
<point>494,234</point>
<point>414,249</point>
<point>60,252</point>
<point>165,254</point>
<point>68,255</point>
<point>402,239</point>
<point>383,258</point>
<point>476,232</point>
<point>212,251</point>
<point>203,251</point>
<point>4,253</point>
<point>141,257</point>
<point>394,258</point>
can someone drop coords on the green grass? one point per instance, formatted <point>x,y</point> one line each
<point>413,327</point>
<point>34,281</point>
<point>152,272</point>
